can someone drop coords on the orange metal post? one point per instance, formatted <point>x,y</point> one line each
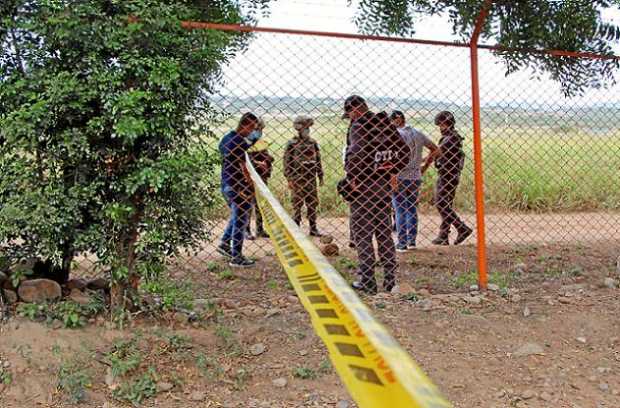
<point>478,176</point>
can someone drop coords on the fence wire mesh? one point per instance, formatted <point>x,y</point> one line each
<point>550,163</point>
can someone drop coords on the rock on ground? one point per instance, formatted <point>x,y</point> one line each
<point>257,349</point>
<point>79,297</point>
<point>98,284</point>
<point>10,296</point>
<point>529,349</point>
<point>330,250</point>
<point>326,239</point>
<point>280,382</point>
<point>198,396</point>
<point>77,283</point>
<point>39,290</point>
<point>610,283</point>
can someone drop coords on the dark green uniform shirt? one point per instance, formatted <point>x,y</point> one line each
<point>302,160</point>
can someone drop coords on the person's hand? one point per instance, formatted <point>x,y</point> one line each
<point>353,185</point>
<point>291,185</point>
<point>394,183</point>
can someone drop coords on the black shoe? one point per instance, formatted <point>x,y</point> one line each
<point>388,285</point>
<point>464,233</point>
<point>249,236</point>
<point>241,262</point>
<point>369,289</point>
<point>315,233</point>
<point>351,245</point>
<point>224,250</point>
<point>262,234</point>
<point>440,241</point>
<point>401,248</point>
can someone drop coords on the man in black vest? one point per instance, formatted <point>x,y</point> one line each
<point>376,154</point>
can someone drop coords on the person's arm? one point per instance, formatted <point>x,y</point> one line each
<point>238,148</point>
<point>434,152</point>
<point>403,152</point>
<point>354,159</point>
<point>319,170</point>
<point>288,171</point>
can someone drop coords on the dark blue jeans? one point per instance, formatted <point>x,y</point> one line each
<point>405,201</point>
<point>239,217</point>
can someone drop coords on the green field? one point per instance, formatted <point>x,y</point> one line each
<point>534,168</point>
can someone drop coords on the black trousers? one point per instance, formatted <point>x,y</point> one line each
<point>445,192</point>
<point>371,218</point>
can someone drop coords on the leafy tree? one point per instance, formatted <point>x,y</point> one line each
<point>574,25</point>
<point>102,105</point>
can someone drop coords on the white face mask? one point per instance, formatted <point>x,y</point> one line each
<point>305,133</point>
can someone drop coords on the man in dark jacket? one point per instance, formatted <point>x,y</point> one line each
<point>237,188</point>
<point>376,154</point>
<point>449,166</point>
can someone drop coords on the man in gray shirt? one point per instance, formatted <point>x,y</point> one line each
<point>405,194</point>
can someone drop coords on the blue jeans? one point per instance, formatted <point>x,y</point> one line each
<point>405,201</point>
<point>239,217</point>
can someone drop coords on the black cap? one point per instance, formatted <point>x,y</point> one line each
<point>397,115</point>
<point>351,102</point>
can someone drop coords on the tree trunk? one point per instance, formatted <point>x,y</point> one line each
<point>124,292</point>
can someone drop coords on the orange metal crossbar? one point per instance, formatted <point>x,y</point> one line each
<point>275,30</point>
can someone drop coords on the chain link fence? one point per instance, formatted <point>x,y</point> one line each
<point>550,162</point>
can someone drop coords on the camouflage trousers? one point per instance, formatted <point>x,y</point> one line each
<point>305,192</point>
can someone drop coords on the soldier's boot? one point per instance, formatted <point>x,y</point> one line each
<point>314,231</point>
<point>444,232</point>
<point>368,287</point>
<point>464,233</point>
<point>248,233</point>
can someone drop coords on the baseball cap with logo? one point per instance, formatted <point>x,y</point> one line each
<point>352,102</point>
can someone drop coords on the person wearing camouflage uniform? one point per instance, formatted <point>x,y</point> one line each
<point>262,162</point>
<point>302,167</point>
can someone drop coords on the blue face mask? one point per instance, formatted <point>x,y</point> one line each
<point>254,136</point>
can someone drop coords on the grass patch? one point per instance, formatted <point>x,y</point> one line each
<point>226,274</point>
<point>304,373</point>
<point>525,164</point>
<point>467,279</point>
<point>228,340</point>
<point>170,294</point>
<point>124,357</point>
<point>138,389</point>
<point>6,377</point>
<point>209,367</point>
<point>71,314</point>
<point>74,378</point>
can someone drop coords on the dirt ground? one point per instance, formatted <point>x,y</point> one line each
<point>547,336</point>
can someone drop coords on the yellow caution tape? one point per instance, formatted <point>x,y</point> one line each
<point>376,370</point>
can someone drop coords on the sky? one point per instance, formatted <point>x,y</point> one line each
<point>290,65</point>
